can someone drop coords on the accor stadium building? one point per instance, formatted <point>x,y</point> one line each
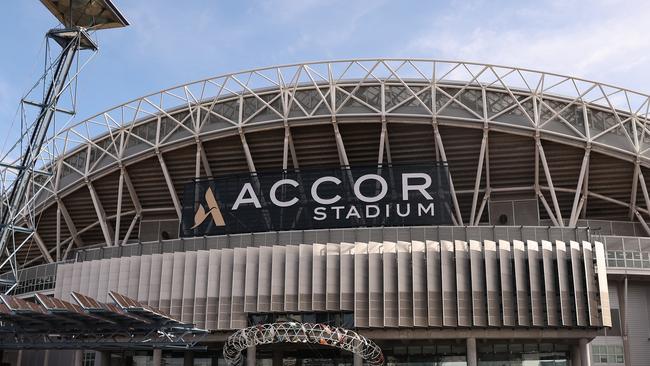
<point>447,213</point>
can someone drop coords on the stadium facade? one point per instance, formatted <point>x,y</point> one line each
<point>450,213</point>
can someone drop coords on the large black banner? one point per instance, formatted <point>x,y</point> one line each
<point>369,196</point>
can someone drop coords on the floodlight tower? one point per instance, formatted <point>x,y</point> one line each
<point>78,18</point>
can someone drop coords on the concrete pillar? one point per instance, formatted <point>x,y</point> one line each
<point>102,358</point>
<point>585,359</point>
<point>188,358</point>
<point>358,361</point>
<point>277,358</point>
<point>621,290</point>
<point>250,356</point>
<point>78,357</point>
<point>157,357</point>
<point>46,357</point>
<point>472,360</point>
<point>19,358</point>
<point>575,355</point>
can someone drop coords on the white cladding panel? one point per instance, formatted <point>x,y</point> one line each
<point>201,287</point>
<point>419,272</point>
<point>388,284</point>
<point>144,277</point>
<point>264,276</point>
<point>189,283</point>
<point>319,277</point>
<point>404,284</point>
<point>434,284</point>
<point>375,285</point>
<point>492,286</point>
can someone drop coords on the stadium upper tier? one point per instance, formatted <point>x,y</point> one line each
<point>578,147</point>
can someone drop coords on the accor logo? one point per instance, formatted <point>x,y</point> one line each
<point>213,211</point>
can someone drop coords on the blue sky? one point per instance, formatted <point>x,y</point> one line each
<point>172,42</point>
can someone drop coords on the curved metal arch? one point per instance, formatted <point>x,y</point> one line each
<point>295,332</point>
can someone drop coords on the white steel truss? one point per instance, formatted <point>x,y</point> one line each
<point>546,106</point>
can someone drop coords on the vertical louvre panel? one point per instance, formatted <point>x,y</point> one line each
<point>536,279</point>
<point>113,277</point>
<point>201,287</point>
<point>305,277</point>
<point>155,277</point>
<point>95,269</point>
<point>507,284</point>
<point>85,277</point>
<point>521,283</point>
<point>251,282</point>
<point>176,299</point>
<point>123,276</point>
<point>563,283</point>
<point>134,277</point>
<point>448,270</point>
<point>590,281</point>
<point>361,285</point>
<point>347,274</point>
<point>237,315</point>
<point>434,284</point>
<point>375,285</point>
<point>76,279</point>
<point>188,291</point>
<point>166,282</point>
<point>319,275</point>
<point>404,284</point>
<point>290,279</point>
<point>463,286</point>
<point>58,285</point>
<point>577,269</point>
<point>550,281</point>
<point>492,284</point>
<point>333,281</point>
<point>419,268</point>
<point>102,289</point>
<point>277,277</point>
<point>214,285</point>
<point>479,298</point>
<point>391,314</point>
<point>602,285</point>
<point>143,282</point>
<point>225,288</point>
<point>66,283</point>
<point>264,279</point>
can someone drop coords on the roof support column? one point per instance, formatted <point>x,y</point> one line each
<point>578,199</point>
<point>118,216</point>
<point>170,184</point>
<point>69,223</point>
<point>58,233</point>
<point>101,214</point>
<point>443,156</point>
<point>549,180</point>
<point>635,181</point>
<point>204,159</point>
<point>644,189</point>
<point>41,246</point>
<point>479,172</point>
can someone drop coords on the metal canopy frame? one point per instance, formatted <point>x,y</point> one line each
<point>580,113</point>
<point>89,324</point>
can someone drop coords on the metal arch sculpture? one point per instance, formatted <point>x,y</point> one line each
<point>295,332</point>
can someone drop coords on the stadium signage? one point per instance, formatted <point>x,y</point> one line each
<point>316,199</point>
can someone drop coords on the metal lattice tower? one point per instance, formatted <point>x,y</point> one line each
<point>22,180</point>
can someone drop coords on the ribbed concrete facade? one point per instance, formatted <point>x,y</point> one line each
<point>385,284</point>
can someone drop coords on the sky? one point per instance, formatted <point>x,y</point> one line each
<point>174,42</point>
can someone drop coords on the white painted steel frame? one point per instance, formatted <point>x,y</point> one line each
<point>107,140</point>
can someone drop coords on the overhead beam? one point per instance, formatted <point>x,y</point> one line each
<point>170,185</point>
<point>101,214</point>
